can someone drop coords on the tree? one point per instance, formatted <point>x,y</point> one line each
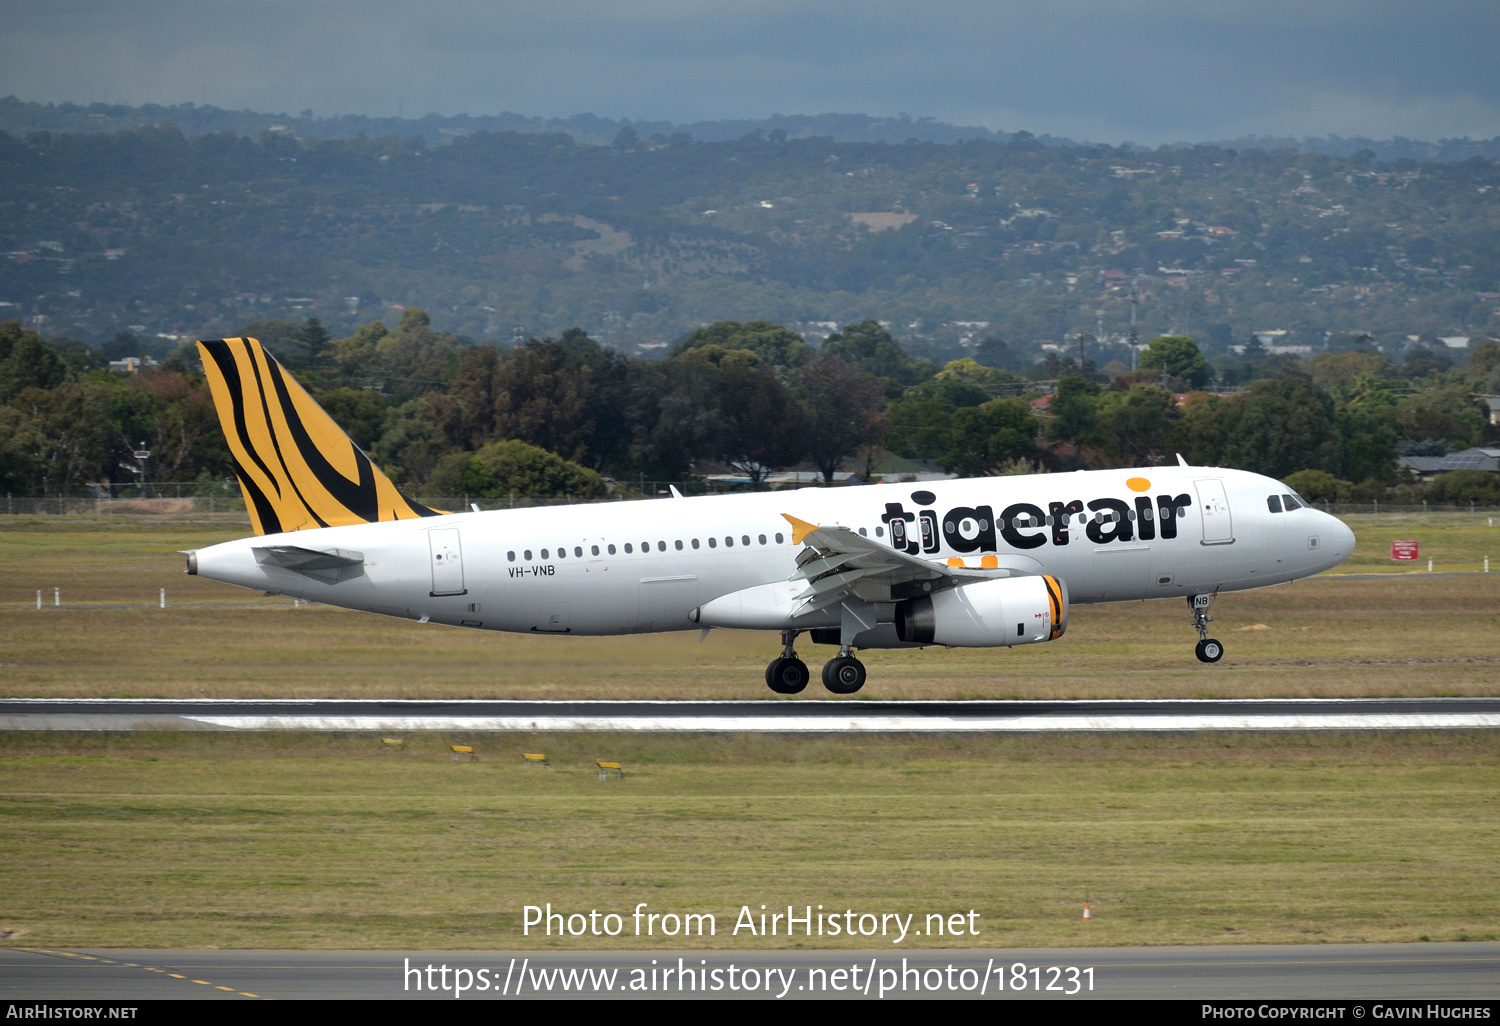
<point>313,340</point>
<point>567,395</point>
<point>1447,413</point>
<point>918,427</point>
<point>983,439</point>
<point>73,433</point>
<point>997,353</point>
<point>762,424</point>
<point>542,397</point>
<point>27,362</point>
<point>874,350</point>
<point>356,353</point>
<point>1365,415</point>
<point>361,412</point>
<point>1138,427</point>
<point>840,411</point>
<point>275,334</point>
<point>1280,426</point>
<point>774,345</point>
<point>973,372</point>
<point>1460,487</point>
<point>673,409</point>
<point>174,415</point>
<point>511,467</point>
<point>1331,370</point>
<point>1074,412</point>
<point>1179,357</point>
<point>1483,368</point>
<point>1317,485</point>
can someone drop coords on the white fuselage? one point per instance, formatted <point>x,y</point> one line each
<point>634,567</point>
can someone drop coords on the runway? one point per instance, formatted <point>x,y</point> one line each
<point>1357,972</point>
<point>769,716</point>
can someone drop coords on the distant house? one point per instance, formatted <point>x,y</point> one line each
<point>1493,402</point>
<point>1429,467</point>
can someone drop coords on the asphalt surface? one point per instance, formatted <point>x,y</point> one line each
<point>769,715</point>
<point>1446,971</point>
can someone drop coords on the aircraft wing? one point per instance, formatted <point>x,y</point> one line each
<point>838,563</point>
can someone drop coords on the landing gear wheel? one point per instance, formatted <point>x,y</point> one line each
<point>787,676</point>
<point>1209,650</point>
<point>843,675</point>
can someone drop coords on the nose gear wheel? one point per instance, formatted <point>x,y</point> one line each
<point>1208,650</point>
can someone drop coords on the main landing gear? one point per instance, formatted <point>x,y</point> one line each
<point>788,675</point>
<point>1208,650</point>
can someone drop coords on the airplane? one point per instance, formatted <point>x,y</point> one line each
<point>981,562</point>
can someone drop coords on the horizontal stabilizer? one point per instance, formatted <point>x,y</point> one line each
<point>332,566</point>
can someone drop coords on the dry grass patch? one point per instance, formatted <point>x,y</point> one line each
<point>311,841</point>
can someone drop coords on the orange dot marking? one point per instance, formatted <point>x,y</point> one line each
<point>1138,484</point>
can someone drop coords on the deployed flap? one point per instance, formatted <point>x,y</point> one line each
<point>334,565</point>
<point>838,562</point>
<point>296,466</point>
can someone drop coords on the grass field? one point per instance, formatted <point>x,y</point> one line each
<point>1338,635</point>
<point>307,841</point>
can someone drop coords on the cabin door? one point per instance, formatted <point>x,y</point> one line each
<point>1213,504</point>
<point>447,561</point>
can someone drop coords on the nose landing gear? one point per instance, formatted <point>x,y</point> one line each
<point>1208,650</point>
<point>786,674</point>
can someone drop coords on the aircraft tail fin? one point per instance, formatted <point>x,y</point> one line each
<point>296,467</point>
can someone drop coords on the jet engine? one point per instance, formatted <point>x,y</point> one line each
<point>1008,611</point>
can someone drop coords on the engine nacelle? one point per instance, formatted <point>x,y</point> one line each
<point>1009,611</point>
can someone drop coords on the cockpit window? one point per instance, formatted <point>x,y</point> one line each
<point>1273,503</point>
<point>1291,503</point>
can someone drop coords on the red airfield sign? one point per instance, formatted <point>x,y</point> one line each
<point>1403,550</point>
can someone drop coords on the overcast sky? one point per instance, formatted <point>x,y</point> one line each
<point>1145,71</point>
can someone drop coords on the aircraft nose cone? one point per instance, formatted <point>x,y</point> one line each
<point>1345,536</point>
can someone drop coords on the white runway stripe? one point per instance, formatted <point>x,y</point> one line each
<point>867,723</point>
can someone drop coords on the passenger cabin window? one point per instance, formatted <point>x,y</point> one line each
<point>595,550</point>
<point>611,550</point>
<point>861,534</point>
<point>695,543</point>
<point>762,539</point>
<point>678,543</point>
<point>1273,503</point>
<point>661,546</point>
<point>778,539</point>
<point>713,543</point>
<point>628,549</point>
<point>544,553</point>
<point>728,542</point>
<point>744,539</point>
<point>578,551</point>
<point>511,555</point>
<point>879,533</point>
<point>1291,503</point>
<point>527,554</point>
<point>562,552</point>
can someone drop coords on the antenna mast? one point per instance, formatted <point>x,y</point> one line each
<point>1134,338</point>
